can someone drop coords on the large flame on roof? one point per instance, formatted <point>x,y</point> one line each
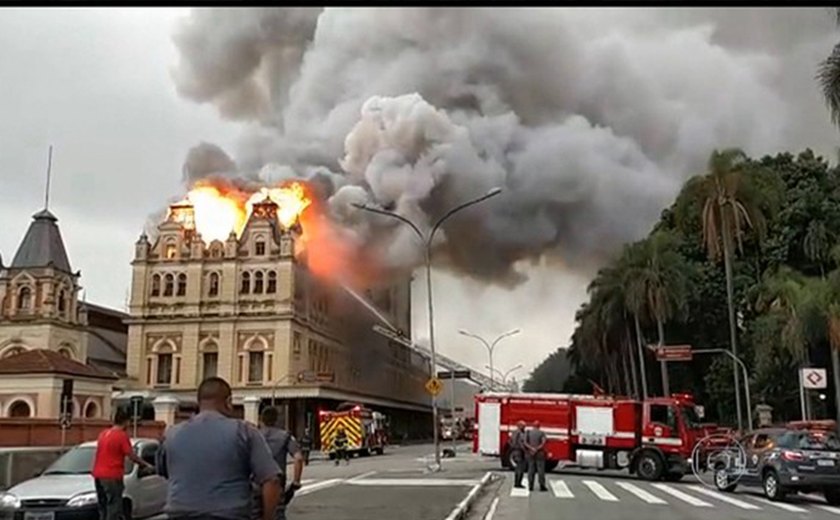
<point>217,207</point>
<point>218,210</point>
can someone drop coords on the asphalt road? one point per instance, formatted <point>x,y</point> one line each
<point>594,495</point>
<point>396,485</point>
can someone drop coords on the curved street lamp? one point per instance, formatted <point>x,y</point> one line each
<point>504,375</point>
<point>426,240</point>
<point>490,346</point>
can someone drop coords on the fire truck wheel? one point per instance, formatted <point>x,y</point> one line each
<point>649,466</point>
<point>551,465</point>
<point>379,451</point>
<point>331,456</point>
<point>832,496</point>
<point>364,452</point>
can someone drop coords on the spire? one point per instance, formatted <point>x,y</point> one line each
<point>47,188</point>
<point>42,245</point>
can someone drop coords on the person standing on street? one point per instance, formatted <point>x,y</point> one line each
<point>535,451</point>
<point>306,445</point>
<point>340,444</point>
<point>113,446</point>
<point>211,460</point>
<point>517,453</point>
<point>281,443</point>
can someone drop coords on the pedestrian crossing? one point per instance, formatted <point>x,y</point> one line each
<point>667,494</point>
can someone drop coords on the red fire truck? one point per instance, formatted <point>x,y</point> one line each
<point>653,439</point>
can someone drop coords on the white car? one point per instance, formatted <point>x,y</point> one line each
<point>65,490</point>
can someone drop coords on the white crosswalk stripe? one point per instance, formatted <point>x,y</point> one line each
<point>600,491</point>
<point>676,493</point>
<point>830,509</point>
<point>560,489</point>
<point>725,498</point>
<point>781,505</point>
<point>520,492</point>
<point>641,493</point>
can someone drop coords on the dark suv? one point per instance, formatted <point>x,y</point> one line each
<point>783,460</point>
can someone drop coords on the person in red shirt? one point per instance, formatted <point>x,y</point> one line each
<point>112,448</point>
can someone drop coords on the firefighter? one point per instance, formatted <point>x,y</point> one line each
<point>535,452</point>
<point>340,444</point>
<point>306,445</point>
<point>517,453</point>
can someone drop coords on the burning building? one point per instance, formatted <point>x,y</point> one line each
<point>230,286</point>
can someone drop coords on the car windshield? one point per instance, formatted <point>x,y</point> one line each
<point>692,420</point>
<point>78,461</point>
<point>810,441</point>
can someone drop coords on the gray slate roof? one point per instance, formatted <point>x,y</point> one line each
<point>42,245</point>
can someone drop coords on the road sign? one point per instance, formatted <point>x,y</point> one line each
<point>672,352</point>
<point>434,386</point>
<point>459,374</point>
<point>65,421</point>
<point>814,378</point>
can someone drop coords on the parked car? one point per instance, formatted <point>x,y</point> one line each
<point>782,461</point>
<point>65,490</point>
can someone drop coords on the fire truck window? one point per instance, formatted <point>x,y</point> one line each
<point>659,413</point>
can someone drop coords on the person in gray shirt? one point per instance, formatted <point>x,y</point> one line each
<point>281,443</point>
<point>517,453</point>
<point>211,459</point>
<point>535,453</point>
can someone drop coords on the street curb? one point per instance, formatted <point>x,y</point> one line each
<point>462,508</point>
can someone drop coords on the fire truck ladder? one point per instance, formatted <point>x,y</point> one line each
<point>443,361</point>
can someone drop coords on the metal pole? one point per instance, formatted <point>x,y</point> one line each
<point>738,361</point>
<point>432,348</point>
<point>802,395</point>
<point>452,398</point>
<point>134,418</point>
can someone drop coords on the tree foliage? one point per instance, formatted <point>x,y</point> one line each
<point>782,214</point>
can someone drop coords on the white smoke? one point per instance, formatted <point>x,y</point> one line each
<point>588,119</point>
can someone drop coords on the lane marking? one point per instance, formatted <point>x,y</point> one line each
<point>520,492</point>
<point>780,505</point>
<point>319,486</point>
<point>560,489</point>
<point>725,498</point>
<point>307,481</point>
<point>420,482</point>
<point>461,508</point>
<point>492,510</point>
<point>363,475</point>
<point>641,493</point>
<point>830,509</point>
<point>676,493</point>
<point>600,491</point>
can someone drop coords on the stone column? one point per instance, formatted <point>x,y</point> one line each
<point>165,408</point>
<point>252,409</point>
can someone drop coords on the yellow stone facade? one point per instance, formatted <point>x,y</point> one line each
<point>246,309</point>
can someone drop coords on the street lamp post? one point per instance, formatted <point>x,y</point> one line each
<point>426,240</point>
<point>490,346</point>
<point>504,375</point>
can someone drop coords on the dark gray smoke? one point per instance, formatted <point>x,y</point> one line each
<point>207,159</point>
<point>588,119</point>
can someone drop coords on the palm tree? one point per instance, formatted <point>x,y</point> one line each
<point>815,245</point>
<point>657,281</point>
<point>828,76</point>
<point>730,208</point>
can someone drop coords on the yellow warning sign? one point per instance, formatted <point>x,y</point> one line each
<point>434,386</point>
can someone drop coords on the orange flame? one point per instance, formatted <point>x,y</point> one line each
<point>219,208</point>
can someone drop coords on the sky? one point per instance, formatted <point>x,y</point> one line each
<point>643,92</point>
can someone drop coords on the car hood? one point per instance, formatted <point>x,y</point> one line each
<point>53,486</point>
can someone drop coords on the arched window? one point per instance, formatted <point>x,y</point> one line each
<point>258,282</point>
<point>24,301</point>
<point>213,284</point>
<point>210,364</point>
<point>156,285</point>
<point>255,366</point>
<point>259,247</point>
<point>164,369</point>
<point>272,282</point>
<point>171,250</point>
<point>182,284</point>
<point>62,302</point>
<point>168,285</point>
<point>91,410</point>
<point>20,409</point>
<point>66,352</point>
<point>246,283</point>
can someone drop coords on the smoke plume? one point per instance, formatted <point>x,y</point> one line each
<point>588,119</point>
